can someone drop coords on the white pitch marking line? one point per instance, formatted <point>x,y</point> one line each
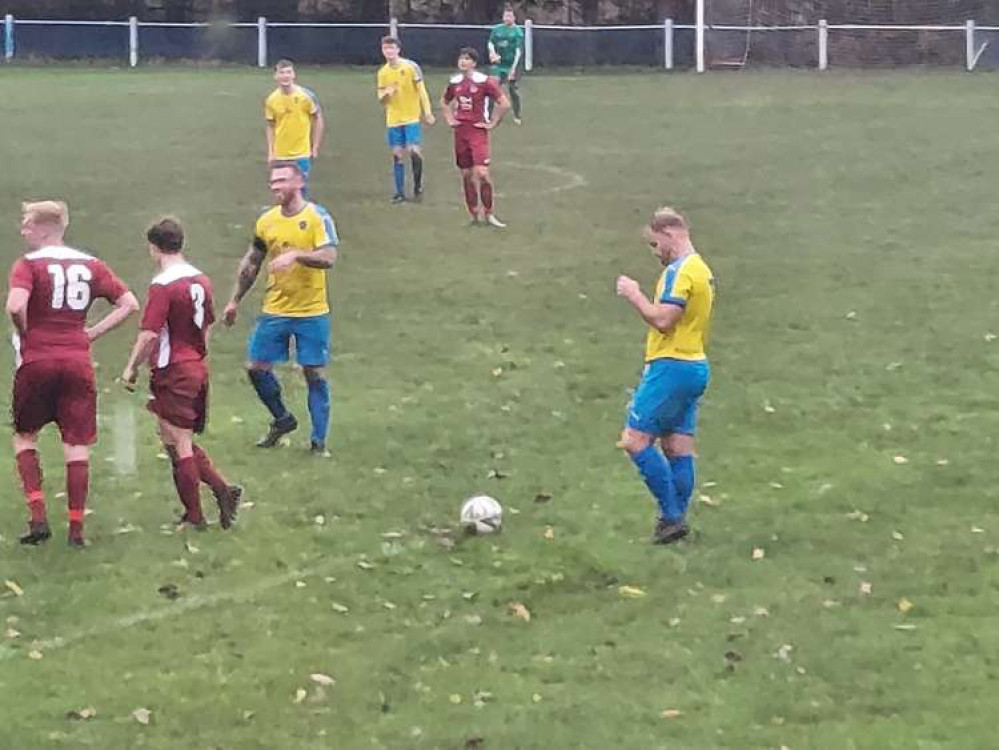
<point>181,607</point>
<point>573,180</point>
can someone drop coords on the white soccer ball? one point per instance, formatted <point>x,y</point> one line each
<point>481,515</point>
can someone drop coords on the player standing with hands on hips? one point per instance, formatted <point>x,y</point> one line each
<point>464,104</point>
<point>506,49</point>
<point>676,373</point>
<point>51,290</point>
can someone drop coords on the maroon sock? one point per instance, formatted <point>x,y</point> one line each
<point>486,191</point>
<point>209,474</point>
<point>30,469</point>
<point>471,194</point>
<point>187,479</point>
<point>77,487</point>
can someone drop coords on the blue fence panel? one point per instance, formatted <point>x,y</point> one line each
<point>226,43</point>
<point>65,42</point>
<point>607,46</point>
<point>352,45</point>
<point>439,46</point>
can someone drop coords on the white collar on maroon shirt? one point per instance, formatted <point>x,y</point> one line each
<point>58,252</point>
<point>477,77</point>
<point>173,273</point>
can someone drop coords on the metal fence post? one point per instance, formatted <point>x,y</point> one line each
<point>394,27</point>
<point>261,42</point>
<point>969,46</point>
<point>823,44</point>
<point>668,44</point>
<point>700,36</point>
<point>133,41</point>
<point>528,45</point>
<point>8,37</point>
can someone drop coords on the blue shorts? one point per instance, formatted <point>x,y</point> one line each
<point>271,340</point>
<point>665,401</point>
<point>400,136</point>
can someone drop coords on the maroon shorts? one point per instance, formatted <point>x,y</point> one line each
<point>63,391</point>
<point>178,394</point>
<point>471,147</point>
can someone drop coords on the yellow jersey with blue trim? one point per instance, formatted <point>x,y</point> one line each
<point>688,283</point>
<point>404,106</point>
<point>299,291</point>
<point>291,114</point>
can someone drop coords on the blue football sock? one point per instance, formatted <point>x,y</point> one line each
<point>319,408</point>
<point>268,389</point>
<point>399,172</point>
<point>683,479</point>
<point>658,476</point>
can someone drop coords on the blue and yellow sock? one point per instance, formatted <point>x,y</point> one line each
<point>683,479</point>
<point>319,408</point>
<point>268,389</point>
<point>399,173</point>
<point>658,477</point>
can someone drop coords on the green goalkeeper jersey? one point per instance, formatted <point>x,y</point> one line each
<point>507,41</point>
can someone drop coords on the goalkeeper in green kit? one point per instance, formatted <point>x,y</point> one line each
<point>506,48</point>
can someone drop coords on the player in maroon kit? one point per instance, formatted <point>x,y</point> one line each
<point>174,341</point>
<point>464,103</point>
<point>51,289</point>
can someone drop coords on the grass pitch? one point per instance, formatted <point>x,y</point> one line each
<point>848,432</point>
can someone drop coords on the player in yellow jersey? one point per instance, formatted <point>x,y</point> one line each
<point>404,94</point>
<point>298,241</point>
<point>676,372</point>
<point>295,121</point>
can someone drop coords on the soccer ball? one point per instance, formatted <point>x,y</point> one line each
<point>481,515</point>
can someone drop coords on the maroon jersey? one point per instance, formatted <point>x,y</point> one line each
<point>62,284</point>
<point>180,310</point>
<point>472,93</point>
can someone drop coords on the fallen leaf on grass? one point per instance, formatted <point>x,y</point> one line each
<point>169,590</point>
<point>543,497</point>
<point>977,530</point>
<point>365,565</point>
<point>905,606</point>
<point>35,654</point>
<point>758,554</point>
<point>761,612</point>
<point>990,337</point>
<point>707,501</point>
<point>520,611</point>
<point>81,714</point>
<point>142,715</point>
<point>900,460</point>
<point>11,634</point>
<point>14,588</point>
<point>858,515</point>
<point>497,371</point>
<point>866,588</point>
<point>340,609</point>
<point>536,698</point>
<point>455,698</point>
<point>630,592</point>
<point>549,533</point>
<point>784,652</point>
<point>905,626</point>
<point>322,679</point>
<point>300,695</point>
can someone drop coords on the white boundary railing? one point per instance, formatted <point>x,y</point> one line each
<point>972,51</point>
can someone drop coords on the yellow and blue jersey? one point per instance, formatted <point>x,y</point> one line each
<point>291,114</point>
<point>406,105</point>
<point>689,283</point>
<point>299,291</point>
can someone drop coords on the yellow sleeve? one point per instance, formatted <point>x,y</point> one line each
<point>269,112</point>
<point>676,287</point>
<point>382,78</point>
<point>421,88</point>
<point>324,233</point>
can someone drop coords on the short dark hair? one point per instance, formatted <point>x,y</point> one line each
<point>471,53</point>
<point>508,8</point>
<point>391,40</point>
<point>284,62</point>
<point>288,164</point>
<point>167,235</point>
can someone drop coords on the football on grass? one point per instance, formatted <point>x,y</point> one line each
<point>481,515</point>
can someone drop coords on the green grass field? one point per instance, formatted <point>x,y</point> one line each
<point>848,431</point>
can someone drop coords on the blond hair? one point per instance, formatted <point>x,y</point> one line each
<point>51,213</point>
<point>667,218</point>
